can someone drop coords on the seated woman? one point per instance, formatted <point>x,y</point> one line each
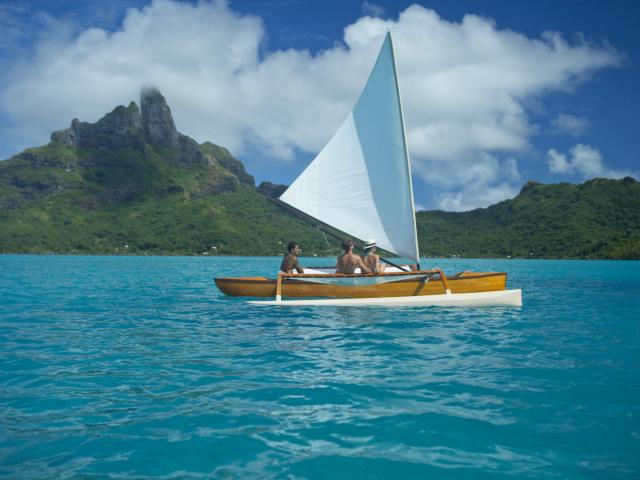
<point>371,259</point>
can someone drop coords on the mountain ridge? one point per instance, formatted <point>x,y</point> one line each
<point>599,218</point>
<point>131,183</point>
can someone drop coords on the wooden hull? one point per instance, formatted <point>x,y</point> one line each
<point>392,285</point>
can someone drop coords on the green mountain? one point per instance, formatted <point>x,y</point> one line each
<point>132,184</point>
<point>596,219</point>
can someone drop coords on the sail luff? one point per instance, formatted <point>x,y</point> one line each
<point>406,147</point>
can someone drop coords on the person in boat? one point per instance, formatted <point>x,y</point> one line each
<point>349,261</point>
<point>290,260</point>
<point>371,259</point>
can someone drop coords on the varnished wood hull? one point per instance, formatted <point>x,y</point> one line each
<point>396,285</point>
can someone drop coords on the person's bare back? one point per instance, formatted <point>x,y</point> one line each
<point>349,261</point>
<point>372,261</point>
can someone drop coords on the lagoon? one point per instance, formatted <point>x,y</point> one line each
<point>138,367</point>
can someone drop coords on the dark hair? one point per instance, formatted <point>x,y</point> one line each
<point>347,243</point>
<point>292,245</point>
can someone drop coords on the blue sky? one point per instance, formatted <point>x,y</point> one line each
<point>491,100</point>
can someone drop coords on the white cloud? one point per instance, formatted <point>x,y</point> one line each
<point>465,86</point>
<point>570,124</point>
<point>194,53</point>
<point>477,181</point>
<point>510,168</point>
<point>557,162</point>
<point>474,197</point>
<point>371,9</point>
<point>585,161</point>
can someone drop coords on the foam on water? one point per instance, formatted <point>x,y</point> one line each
<point>132,367</point>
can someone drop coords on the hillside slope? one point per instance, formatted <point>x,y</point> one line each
<point>596,219</point>
<point>131,183</point>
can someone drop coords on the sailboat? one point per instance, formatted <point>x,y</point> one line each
<point>360,184</point>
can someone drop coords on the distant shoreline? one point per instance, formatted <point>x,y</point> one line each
<point>195,255</point>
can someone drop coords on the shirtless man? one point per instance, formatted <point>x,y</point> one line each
<point>349,261</point>
<point>290,260</point>
<point>371,258</point>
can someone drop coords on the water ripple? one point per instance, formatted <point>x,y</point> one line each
<point>124,367</point>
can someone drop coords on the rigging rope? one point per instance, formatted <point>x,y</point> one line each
<point>326,240</point>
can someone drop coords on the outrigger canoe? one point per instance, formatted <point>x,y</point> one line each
<point>360,185</point>
<point>424,287</point>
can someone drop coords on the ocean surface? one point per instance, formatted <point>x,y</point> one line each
<point>138,367</point>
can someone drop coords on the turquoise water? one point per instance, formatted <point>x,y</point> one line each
<point>134,367</point>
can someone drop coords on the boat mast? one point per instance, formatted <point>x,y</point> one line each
<point>406,148</point>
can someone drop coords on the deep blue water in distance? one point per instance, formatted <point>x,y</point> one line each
<point>135,367</point>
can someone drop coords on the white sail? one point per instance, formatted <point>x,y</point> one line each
<point>360,182</point>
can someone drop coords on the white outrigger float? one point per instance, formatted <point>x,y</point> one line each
<point>504,298</point>
<point>360,184</point>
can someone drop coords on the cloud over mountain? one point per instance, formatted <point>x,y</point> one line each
<point>585,161</point>
<point>465,86</point>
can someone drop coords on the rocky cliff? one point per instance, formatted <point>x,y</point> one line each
<point>128,154</point>
<point>271,190</point>
<point>132,183</point>
<point>135,128</point>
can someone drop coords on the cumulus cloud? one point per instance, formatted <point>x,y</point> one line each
<point>476,181</point>
<point>557,162</point>
<point>369,8</point>
<point>476,197</point>
<point>583,160</point>
<point>465,86</point>
<point>570,124</point>
<point>193,53</point>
